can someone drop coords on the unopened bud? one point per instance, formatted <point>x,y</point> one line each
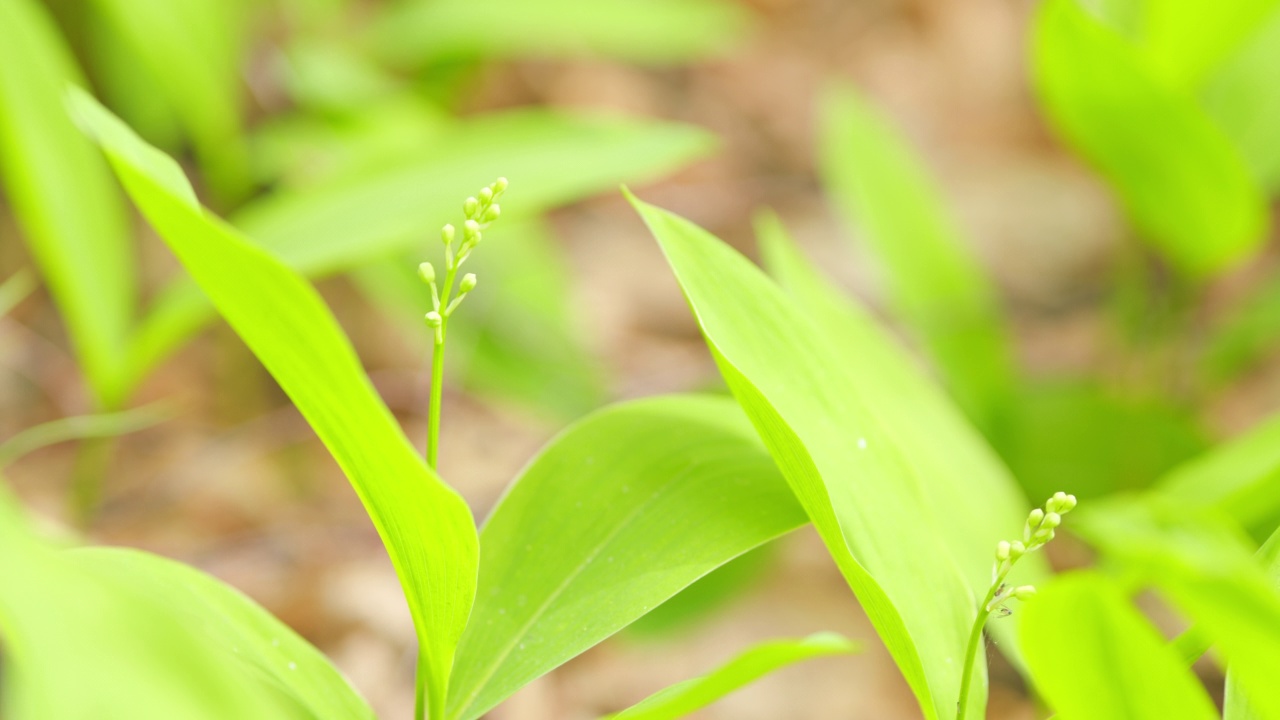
<point>1002,550</point>
<point>492,213</point>
<point>433,319</point>
<point>446,234</point>
<point>1035,517</point>
<point>486,196</point>
<point>471,231</point>
<point>468,283</point>
<point>499,186</point>
<point>471,207</point>
<point>1024,592</point>
<point>1017,549</point>
<point>427,272</point>
<point>1051,521</point>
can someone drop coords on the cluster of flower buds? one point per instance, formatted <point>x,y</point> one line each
<point>1039,530</point>
<point>480,211</point>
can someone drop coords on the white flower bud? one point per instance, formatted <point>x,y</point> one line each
<point>499,186</point>
<point>471,231</point>
<point>1024,592</point>
<point>471,207</point>
<point>433,319</point>
<point>468,283</point>
<point>1002,550</point>
<point>1017,549</point>
<point>427,272</point>
<point>492,213</point>
<point>486,196</point>
<point>1035,517</point>
<point>447,234</point>
<point>1051,521</point>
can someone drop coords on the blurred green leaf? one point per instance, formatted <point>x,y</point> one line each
<point>82,642</point>
<point>1240,477</point>
<point>414,34</point>
<point>934,284</point>
<point>1207,569</point>
<point>689,696</point>
<point>1093,440</point>
<point>866,482</point>
<point>550,158</point>
<point>243,631</point>
<point>15,289</point>
<point>616,515</point>
<point>425,525</point>
<point>1183,41</point>
<point>1094,657</point>
<point>1183,184</point>
<point>1236,703</point>
<point>191,49</point>
<point>969,486</point>
<point>79,428</point>
<point>1244,339</point>
<point>64,198</point>
<point>1243,97</point>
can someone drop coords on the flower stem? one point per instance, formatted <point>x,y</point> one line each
<point>975,644</point>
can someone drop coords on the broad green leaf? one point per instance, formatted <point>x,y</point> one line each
<point>191,49</point>
<point>1094,440</point>
<point>1240,477</point>
<point>425,525</point>
<point>858,475</point>
<point>1207,569</point>
<point>649,31</point>
<point>221,617</point>
<point>1244,99</point>
<point>83,643</point>
<point>1094,657</point>
<point>64,198</point>
<point>520,343</point>
<point>1183,41</point>
<point>1182,183</point>
<point>711,595</point>
<point>15,289</point>
<point>966,477</point>
<point>616,515</point>
<point>79,428</point>
<point>934,284</point>
<point>551,159</point>
<point>689,696</point>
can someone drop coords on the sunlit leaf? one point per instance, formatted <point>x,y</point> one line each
<point>1236,704</point>
<point>64,198</point>
<point>1183,184</point>
<point>651,31</point>
<point>84,643</point>
<point>880,509</point>
<point>689,696</point>
<point>616,515</point>
<point>425,525</point>
<point>1183,41</point>
<point>1094,657</point>
<point>1244,99</point>
<point>934,283</point>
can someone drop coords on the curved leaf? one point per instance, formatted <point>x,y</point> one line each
<point>64,198</point>
<point>692,695</point>
<point>80,427</point>
<point>1244,100</point>
<point>1181,181</point>
<point>1094,657</point>
<point>616,515</point>
<point>877,508</point>
<point>425,525</point>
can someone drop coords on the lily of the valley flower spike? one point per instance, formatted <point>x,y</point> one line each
<point>480,212</point>
<point>1040,528</point>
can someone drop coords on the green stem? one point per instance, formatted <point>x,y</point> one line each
<point>419,691</point>
<point>433,418</point>
<point>975,642</point>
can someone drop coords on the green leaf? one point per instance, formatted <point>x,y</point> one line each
<point>1183,41</point>
<point>84,643</point>
<point>692,695</point>
<point>1182,183</point>
<point>191,49</point>
<point>867,484</point>
<point>550,158</point>
<point>1244,100</point>
<point>16,289</point>
<point>79,428</point>
<point>1094,657</point>
<point>220,616</point>
<point>654,31</point>
<point>64,198</point>
<point>1236,703</point>
<point>426,526</point>
<point>1245,337</point>
<point>1240,477</point>
<point>934,284</point>
<point>1207,569</point>
<point>616,515</point>
<point>968,483</point>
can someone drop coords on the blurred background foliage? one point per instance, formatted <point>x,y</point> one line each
<point>1064,208</point>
